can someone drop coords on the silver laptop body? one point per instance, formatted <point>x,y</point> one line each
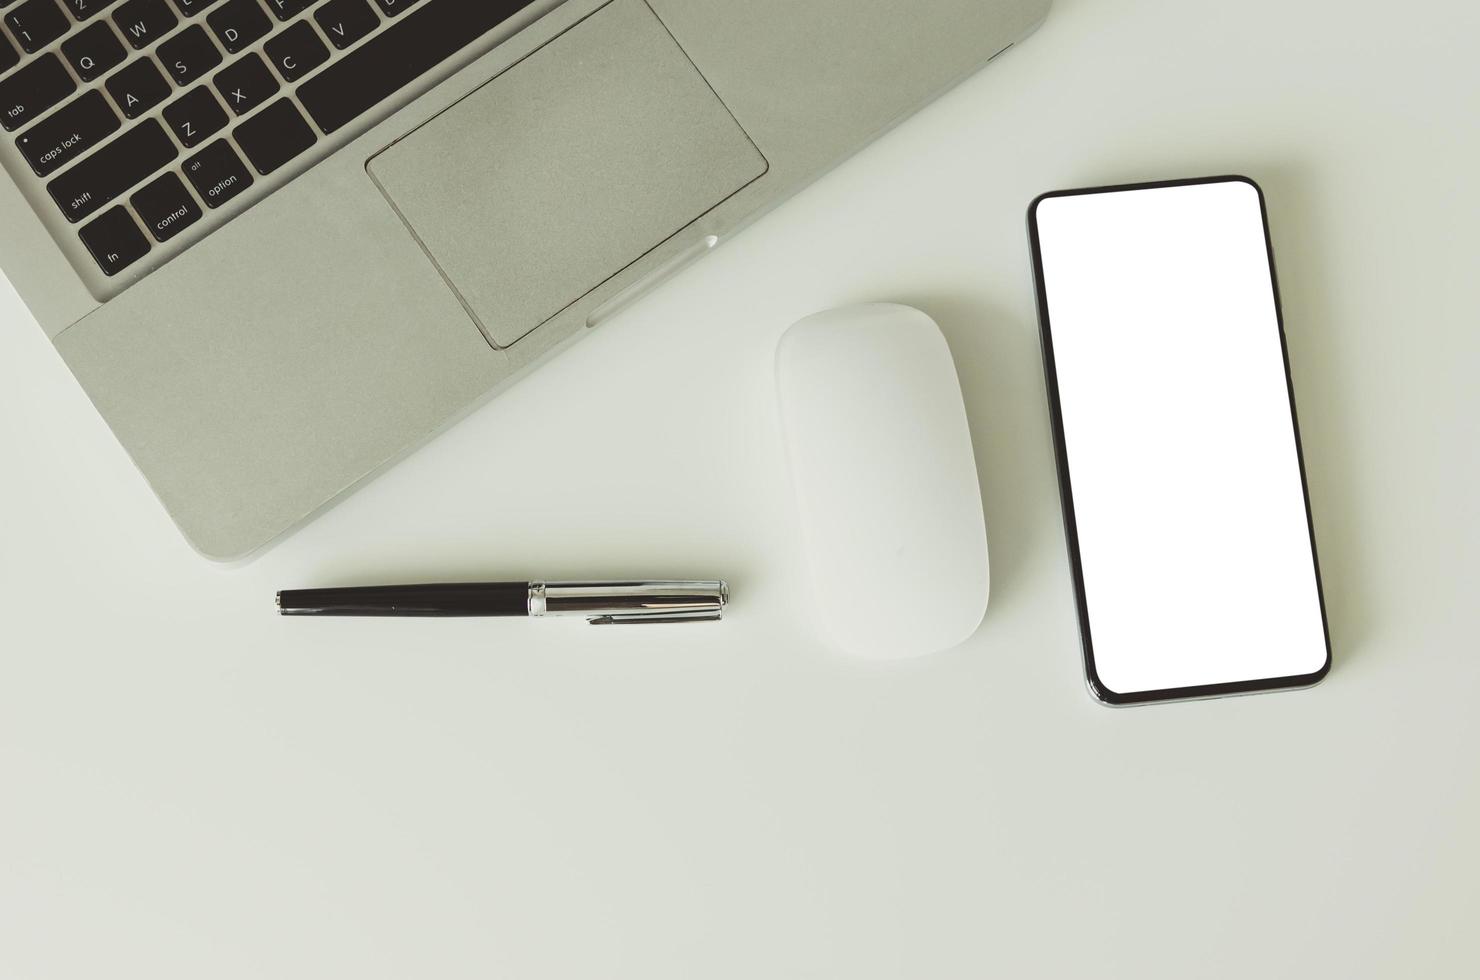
<point>269,311</point>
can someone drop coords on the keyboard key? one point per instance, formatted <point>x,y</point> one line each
<point>274,136</point>
<point>94,51</point>
<point>189,55</point>
<point>397,56</point>
<point>27,93</point>
<point>195,116</point>
<point>68,133</point>
<point>37,23</point>
<point>138,88</point>
<point>296,51</point>
<point>288,9</point>
<point>165,207</point>
<point>190,8</point>
<point>112,170</point>
<point>9,57</point>
<point>391,8</point>
<point>218,174</point>
<point>115,241</point>
<point>238,24</point>
<point>144,21</point>
<point>346,21</point>
<point>83,9</point>
<point>246,84</point>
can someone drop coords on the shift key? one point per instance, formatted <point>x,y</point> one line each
<point>68,133</point>
<point>112,170</point>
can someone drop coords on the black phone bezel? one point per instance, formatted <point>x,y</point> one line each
<point>1066,494</point>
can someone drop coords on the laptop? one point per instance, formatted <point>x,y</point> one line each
<point>282,243</point>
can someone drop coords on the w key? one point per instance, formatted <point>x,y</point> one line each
<point>144,21</point>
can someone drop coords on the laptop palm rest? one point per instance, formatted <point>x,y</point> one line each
<point>565,169</point>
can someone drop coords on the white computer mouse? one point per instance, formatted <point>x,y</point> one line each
<point>885,480</point>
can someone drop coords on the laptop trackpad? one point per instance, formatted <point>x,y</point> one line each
<point>566,168</point>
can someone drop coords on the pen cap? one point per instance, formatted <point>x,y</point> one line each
<point>614,603</point>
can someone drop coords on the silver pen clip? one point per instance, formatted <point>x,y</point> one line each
<point>620,603</point>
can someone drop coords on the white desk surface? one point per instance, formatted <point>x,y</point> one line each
<point>191,787</point>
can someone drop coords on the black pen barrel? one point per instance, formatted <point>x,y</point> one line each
<point>467,599</point>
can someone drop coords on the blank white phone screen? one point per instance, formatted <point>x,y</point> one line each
<point>1193,536</point>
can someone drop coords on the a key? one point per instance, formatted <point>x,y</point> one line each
<point>30,91</point>
<point>288,9</point>
<point>412,46</point>
<point>189,55</point>
<point>246,84</point>
<point>392,8</point>
<point>83,9</point>
<point>115,241</point>
<point>296,51</point>
<point>144,21</point>
<point>37,23</point>
<point>138,88</point>
<point>218,174</point>
<point>238,24</point>
<point>346,21</point>
<point>68,133</point>
<point>94,51</point>
<point>274,136</point>
<point>99,178</point>
<point>189,8</point>
<point>165,207</point>
<point>195,116</point>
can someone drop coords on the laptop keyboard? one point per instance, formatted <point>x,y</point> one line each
<point>246,87</point>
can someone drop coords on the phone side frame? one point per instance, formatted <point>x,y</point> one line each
<point>1098,688</point>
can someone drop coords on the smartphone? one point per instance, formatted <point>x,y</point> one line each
<point>1180,470</point>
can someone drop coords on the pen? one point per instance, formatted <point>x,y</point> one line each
<point>603,603</point>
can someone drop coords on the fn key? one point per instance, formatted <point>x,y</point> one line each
<point>115,241</point>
